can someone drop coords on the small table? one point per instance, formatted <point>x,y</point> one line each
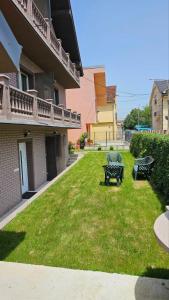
<point>161,229</point>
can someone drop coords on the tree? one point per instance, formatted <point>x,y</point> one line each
<point>138,117</point>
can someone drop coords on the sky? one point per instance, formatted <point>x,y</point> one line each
<point>131,39</point>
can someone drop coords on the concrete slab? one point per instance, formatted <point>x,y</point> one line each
<point>30,282</point>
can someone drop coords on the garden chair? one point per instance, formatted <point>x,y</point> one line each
<point>143,166</point>
<point>113,170</point>
<point>114,157</point>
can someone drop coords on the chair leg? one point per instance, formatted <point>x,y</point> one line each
<point>118,181</point>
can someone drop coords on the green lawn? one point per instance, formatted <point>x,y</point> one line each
<point>79,223</point>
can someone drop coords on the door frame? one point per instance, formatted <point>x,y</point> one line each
<point>30,167</point>
<point>26,163</point>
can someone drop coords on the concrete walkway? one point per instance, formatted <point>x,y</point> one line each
<point>30,282</point>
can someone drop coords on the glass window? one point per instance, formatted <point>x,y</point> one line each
<point>56,96</point>
<point>24,82</point>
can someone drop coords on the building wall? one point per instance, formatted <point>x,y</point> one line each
<point>105,113</point>
<point>13,79</point>
<point>83,101</point>
<point>159,108</point>
<point>91,101</point>
<point>99,132</point>
<point>165,113</point>
<point>100,88</point>
<point>10,135</point>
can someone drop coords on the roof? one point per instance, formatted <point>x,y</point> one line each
<point>162,85</point>
<point>63,23</point>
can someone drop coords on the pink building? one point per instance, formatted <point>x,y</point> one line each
<point>83,100</point>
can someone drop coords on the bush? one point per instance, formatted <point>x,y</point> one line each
<point>157,146</point>
<point>99,148</point>
<point>71,148</point>
<point>111,148</point>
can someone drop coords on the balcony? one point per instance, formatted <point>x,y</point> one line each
<point>18,107</point>
<point>34,33</point>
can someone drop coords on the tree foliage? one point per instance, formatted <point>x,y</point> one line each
<point>138,117</point>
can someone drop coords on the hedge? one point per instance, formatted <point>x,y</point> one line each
<point>157,146</point>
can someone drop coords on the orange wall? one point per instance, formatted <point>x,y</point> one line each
<point>100,88</point>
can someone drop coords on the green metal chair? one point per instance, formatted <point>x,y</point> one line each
<point>114,157</point>
<point>143,166</point>
<point>114,170</point>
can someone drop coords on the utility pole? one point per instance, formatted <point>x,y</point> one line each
<point>138,117</point>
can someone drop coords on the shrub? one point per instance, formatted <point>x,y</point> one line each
<point>71,148</point>
<point>111,148</point>
<point>157,146</point>
<point>99,148</point>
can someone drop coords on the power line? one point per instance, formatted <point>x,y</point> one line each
<point>128,93</point>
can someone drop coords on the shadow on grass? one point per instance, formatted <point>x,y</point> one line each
<point>156,273</point>
<point>152,287</point>
<point>159,195</point>
<point>9,240</point>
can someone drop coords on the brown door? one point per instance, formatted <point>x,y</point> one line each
<point>51,157</point>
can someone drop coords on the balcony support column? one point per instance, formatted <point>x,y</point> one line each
<point>48,21</point>
<point>6,105</point>
<point>29,7</point>
<point>52,109</point>
<point>34,93</point>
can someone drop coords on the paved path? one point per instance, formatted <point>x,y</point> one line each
<point>30,282</point>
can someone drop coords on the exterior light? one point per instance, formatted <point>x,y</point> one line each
<point>27,133</point>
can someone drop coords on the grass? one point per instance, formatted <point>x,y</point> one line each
<point>79,223</point>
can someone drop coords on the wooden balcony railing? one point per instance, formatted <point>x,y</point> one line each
<point>16,104</point>
<point>44,27</point>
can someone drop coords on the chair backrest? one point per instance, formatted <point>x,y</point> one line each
<point>149,159</point>
<point>146,164</point>
<point>114,157</point>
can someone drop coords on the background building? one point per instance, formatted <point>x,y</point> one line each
<point>159,102</point>
<point>97,105</point>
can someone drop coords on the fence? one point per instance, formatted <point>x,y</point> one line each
<point>106,138</point>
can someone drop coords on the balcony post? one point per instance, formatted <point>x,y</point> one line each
<point>52,109</point>
<point>48,21</point>
<point>60,48</point>
<point>29,7</point>
<point>34,93</point>
<point>6,105</point>
<point>68,55</point>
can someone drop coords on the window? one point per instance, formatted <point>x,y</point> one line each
<point>24,82</point>
<point>155,100</point>
<point>56,96</point>
<point>155,114</point>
